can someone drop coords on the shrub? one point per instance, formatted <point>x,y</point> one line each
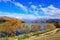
<point>50,26</point>
<point>57,24</point>
<point>35,27</point>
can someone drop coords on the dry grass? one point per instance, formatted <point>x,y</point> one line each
<point>45,35</point>
<point>54,35</point>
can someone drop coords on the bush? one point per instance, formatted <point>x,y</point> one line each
<point>35,27</point>
<point>57,24</point>
<point>50,26</point>
<point>23,37</point>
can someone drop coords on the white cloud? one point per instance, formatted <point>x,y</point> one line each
<point>5,0</point>
<point>24,8</point>
<point>33,6</point>
<point>30,2</point>
<point>40,5</point>
<point>36,13</point>
<point>34,10</point>
<point>20,16</point>
<point>52,11</point>
<point>25,16</point>
<point>21,6</point>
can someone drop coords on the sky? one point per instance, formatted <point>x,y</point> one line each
<point>30,9</point>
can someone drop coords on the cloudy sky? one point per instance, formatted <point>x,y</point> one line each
<point>30,9</point>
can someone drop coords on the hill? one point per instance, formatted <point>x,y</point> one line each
<point>8,26</point>
<point>5,19</point>
<point>41,20</point>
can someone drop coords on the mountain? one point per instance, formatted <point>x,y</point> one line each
<point>4,19</point>
<point>52,20</point>
<point>41,20</point>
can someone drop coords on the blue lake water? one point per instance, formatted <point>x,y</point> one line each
<point>42,25</point>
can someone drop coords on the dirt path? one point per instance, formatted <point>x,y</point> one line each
<point>49,37</point>
<point>52,36</point>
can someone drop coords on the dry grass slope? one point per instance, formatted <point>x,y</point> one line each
<point>52,36</point>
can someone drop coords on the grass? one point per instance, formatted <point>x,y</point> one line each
<point>24,36</point>
<point>3,38</point>
<point>38,33</point>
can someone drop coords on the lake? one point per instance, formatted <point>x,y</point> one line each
<point>42,25</point>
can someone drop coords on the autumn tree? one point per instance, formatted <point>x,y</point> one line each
<point>11,26</point>
<point>35,27</point>
<point>50,26</point>
<point>25,28</point>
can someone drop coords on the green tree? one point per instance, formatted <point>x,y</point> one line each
<point>57,24</point>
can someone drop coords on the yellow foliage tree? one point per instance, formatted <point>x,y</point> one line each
<point>50,26</point>
<point>11,26</point>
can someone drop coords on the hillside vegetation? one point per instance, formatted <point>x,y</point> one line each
<point>9,26</point>
<point>45,35</point>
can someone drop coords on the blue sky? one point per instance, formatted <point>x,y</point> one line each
<point>30,9</point>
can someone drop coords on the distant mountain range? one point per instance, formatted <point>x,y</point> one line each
<point>31,21</point>
<point>42,20</point>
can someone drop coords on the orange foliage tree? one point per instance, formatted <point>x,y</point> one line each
<point>25,28</point>
<point>35,27</point>
<point>11,26</point>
